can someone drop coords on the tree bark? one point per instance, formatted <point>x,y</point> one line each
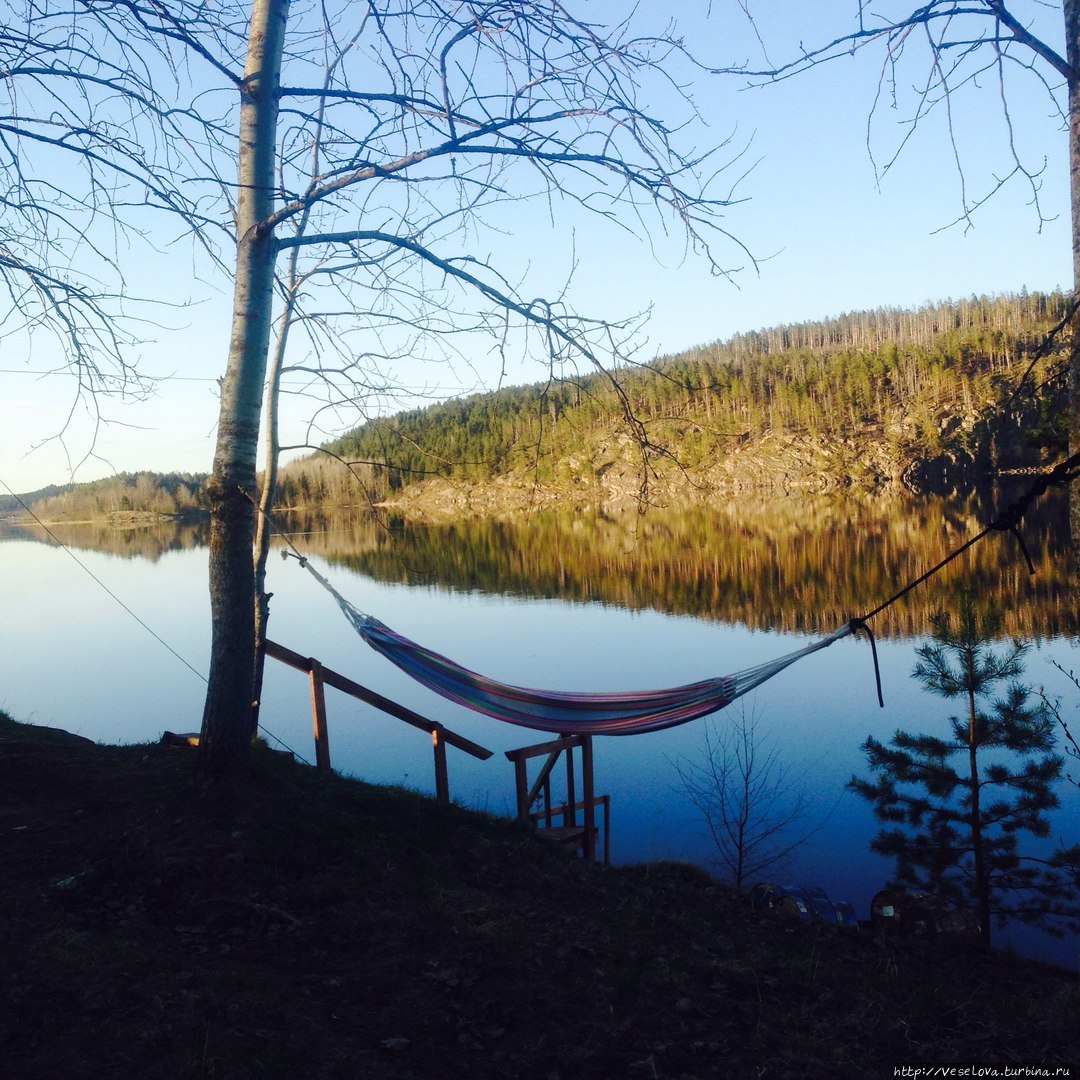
<point>263,529</point>
<point>226,727</point>
<point>272,442</point>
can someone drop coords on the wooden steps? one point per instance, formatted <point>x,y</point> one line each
<point>571,835</point>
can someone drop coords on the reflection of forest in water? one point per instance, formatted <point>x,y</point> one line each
<point>792,563</point>
<point>135,541</point>
<point>788,563</point>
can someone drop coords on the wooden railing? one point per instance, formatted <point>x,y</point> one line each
<point>583,836</point>
<point>322,676</point>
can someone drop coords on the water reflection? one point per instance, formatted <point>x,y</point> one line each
<point>782,564</point>
<point>134,541</point>
<point>788,563</point>
<point>793,564</point>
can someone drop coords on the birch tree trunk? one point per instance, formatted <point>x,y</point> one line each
<point>271,444</point>
<point>226,727</point>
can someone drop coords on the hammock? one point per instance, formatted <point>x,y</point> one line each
<point>620,713</point>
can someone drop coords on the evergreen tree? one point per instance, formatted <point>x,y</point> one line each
<point>963,801</point>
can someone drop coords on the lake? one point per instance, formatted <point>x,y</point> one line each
<point>574,599</point>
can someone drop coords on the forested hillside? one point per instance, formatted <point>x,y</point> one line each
<point>927,399</point>
<point>871,397</point>
<point>10,504</point>
<point>165,494</point>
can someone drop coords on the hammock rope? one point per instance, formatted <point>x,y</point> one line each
<point>616,713</point>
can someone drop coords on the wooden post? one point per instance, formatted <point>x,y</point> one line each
<point>570,817</point>
<point>587,796</point>
<point>521,785</point>
<point>442,782</point>
<point>318,716</point>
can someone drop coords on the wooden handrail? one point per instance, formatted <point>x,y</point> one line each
<point>563,742</point>
<point>441,737</point>
<point>384,704</point>
<point>545,771</point>
<point>321,677</point>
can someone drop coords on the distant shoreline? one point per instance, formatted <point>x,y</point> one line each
<point>118,519</point>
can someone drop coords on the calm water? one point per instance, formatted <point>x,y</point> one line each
<point>567,601</point>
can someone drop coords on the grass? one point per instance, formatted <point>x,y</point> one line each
<point>308,928</point>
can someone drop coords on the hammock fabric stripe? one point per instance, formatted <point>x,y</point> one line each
<point>618,713</point>
<point>621,713</point>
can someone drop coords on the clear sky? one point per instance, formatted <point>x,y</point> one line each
<point>827,239</point>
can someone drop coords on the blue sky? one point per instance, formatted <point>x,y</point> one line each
<point>827,238</point>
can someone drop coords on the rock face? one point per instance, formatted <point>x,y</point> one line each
<point>616,472</point>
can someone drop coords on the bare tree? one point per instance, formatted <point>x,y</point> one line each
<point>756,813</point>
<point>1067,858</point>
<point>965,45</point>
<point>95,137</point>
<point>370,144</point>
<point>374,144</point>
<point>1072,747</point>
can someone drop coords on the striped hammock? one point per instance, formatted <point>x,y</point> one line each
<point>619,713</point>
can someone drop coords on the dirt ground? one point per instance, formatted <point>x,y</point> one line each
<point>301,928</point>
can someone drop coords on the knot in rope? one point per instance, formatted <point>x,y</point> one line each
<point>1009,521</point>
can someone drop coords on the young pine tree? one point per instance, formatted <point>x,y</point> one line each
<point>961,802</point>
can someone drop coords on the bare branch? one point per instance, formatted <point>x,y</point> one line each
<point>962,40</point>
<point>95,130</point>
<point>754,811</point>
